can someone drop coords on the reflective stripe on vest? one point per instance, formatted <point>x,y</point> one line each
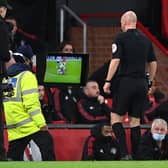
<point>24,121</point>
<point>19,123</point>
<point>29,91</point>
<point>33,113</point>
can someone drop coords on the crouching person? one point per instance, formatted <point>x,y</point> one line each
<point>101,144</point>
<point>24,119</point>
<point>154,143</point>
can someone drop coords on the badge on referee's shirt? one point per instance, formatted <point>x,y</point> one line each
<point>114,48</point>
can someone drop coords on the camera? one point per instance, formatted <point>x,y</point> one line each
<point>7,89</point>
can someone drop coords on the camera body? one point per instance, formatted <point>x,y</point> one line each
<point>7,89</point>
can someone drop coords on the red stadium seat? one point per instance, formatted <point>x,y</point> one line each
<point>68,143</point>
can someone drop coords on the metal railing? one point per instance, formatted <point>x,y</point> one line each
<point>87,126</point>
<point>67,9</point>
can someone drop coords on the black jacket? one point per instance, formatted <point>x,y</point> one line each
<point>149,150</point>
<point>91,111</point>
<point>4,46</point>
<point>106,148</point>
<point>159,112</point>
<point>98,147</point>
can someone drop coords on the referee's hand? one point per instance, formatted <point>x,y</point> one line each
<point>106,87</point>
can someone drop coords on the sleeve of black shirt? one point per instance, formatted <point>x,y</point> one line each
<point>117,50</point>
<point>151,54</point>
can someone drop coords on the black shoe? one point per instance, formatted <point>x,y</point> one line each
<point>126,157</point>
<point>2,154</point>
<point>3,158</point>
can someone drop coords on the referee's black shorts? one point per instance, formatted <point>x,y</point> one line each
<point>129,96</point>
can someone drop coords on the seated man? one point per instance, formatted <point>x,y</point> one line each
<point>154,143</point>
<point>91,106</point>
<point>99,76</point>
<point>101,145</point>
<point>80,105</point>
<point>158,109</point>
<point>46,109</point>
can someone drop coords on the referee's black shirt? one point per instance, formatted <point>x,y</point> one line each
<point>134,50</point>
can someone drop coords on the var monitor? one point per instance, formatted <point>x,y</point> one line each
<point>66,69</point>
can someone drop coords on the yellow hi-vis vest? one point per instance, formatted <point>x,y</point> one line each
<point>23,110</point>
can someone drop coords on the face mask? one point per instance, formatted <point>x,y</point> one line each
<point>158,137</point>
<point>106,138</point>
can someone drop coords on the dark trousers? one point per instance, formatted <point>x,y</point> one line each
<point>43,140</point>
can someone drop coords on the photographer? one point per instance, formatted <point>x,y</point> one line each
<point>4,57</point>
<point>23,114</point>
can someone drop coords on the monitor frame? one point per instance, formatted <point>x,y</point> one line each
<point>83,75</point>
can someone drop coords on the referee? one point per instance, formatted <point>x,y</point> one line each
<point>131,50</point>
<point>4,57</point>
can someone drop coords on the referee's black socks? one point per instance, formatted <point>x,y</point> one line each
<point>135,138</point>
<point>121,137</point>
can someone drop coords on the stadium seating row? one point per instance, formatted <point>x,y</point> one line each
<point>68,143</point>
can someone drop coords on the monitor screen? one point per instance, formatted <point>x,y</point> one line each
<point>66,69</point>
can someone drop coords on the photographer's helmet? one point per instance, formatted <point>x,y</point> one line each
<point>19,58</point>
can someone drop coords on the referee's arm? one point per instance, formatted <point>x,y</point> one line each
<point>111,71</point>
<point>112,68</point>
<point>152,69</point>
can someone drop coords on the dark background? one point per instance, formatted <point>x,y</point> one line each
<point>41,17</point>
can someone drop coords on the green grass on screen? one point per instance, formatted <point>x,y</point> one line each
<point>72,74</point>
